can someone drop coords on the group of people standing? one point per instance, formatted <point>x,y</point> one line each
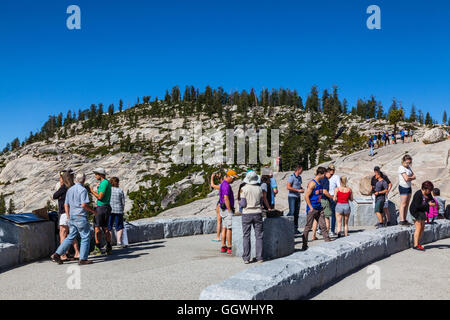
<point>327,197</point>
<point>74,208</point>
<point>383,138</point>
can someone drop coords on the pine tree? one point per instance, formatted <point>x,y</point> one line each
<point>12,207</point>
<point>428,119</point>
<point>120,105</point>
<point>312,102</point>
<point>420,116</point>
<point>2,204</point>
<point>413,115</point>
<point>380,111</point>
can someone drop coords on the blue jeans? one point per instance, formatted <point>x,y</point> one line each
<point>294,209</point>
<point>333,215</point>
<point>77,225</point>
<point>371,151</point>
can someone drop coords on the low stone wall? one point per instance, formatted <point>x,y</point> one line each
<point>147,230</point>
<point>278,238</point>
<point>9,255</point>
<point>34,240</point>
<point>294,277</point>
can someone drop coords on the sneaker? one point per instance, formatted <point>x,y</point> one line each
<point>332,234</point>
<point>246,262</point>
<point>223,250</point>
<point>96,251</point>
<point>319,232</point>
<point>229,251</point>
<point>56,258</point>
<point>379,226</point>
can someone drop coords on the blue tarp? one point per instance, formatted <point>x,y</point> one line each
<point>22,218</point>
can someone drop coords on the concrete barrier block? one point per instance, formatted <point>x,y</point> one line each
<point>278,240</point>
<point>231,289</point>
<point>35,240</point>
<point>209,225</point>
<point>443,231</point>
<point>9,255</point>
<point>428,234</point>
<point>141,231</point>
<point>372,247</point>
<point>181,227</point>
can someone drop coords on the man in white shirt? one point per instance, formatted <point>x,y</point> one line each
<point>251,199</point>
<point>335,182</point>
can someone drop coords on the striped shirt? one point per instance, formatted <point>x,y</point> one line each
<point>117,200</point>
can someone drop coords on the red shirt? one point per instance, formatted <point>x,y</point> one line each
<point>342,197</point>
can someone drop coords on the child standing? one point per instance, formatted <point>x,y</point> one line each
<point>440,201</point>
<point>433,211</point>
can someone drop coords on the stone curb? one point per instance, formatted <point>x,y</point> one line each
<point>295,276</point>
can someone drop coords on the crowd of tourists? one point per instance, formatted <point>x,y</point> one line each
<point>328,200</point>
<point>74,208</point>
<point>384,138</point>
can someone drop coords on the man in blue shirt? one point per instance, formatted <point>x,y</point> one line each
<point>294,185</point>
<point>77,209</point>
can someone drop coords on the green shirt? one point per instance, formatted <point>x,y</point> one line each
<point>105,188</point>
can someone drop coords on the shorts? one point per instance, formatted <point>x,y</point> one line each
<point>227,219</point>
<point>419,216</point>
<point>379,205</point>
<point>115,219</point>
<point>102,217</point>
<point>404,191</point>
<point>343,208</point>
<point>326,208</point>
<point>63,220</point>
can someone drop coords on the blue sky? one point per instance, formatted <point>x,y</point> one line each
<point>129,49</point>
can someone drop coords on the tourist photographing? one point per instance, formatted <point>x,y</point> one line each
<point>405,176</point>
<point>294,186</point>
<point>117,210</point>
<point>77,208</point>
<point>420,205</point>
<point>226,199</point>
<point>65,182</point>
<point>342,196</point>
<point>314,210</point>
<point>219,218</point>
<point>103,211</point>
<point>251,199</point>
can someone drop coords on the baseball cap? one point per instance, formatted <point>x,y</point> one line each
<point>232,173</point>
<point>100,171</point>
